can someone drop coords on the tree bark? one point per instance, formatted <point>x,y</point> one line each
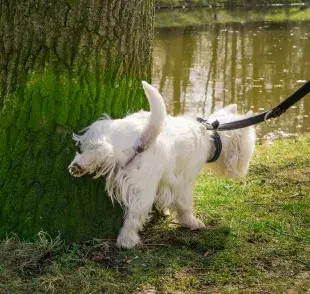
<point>63,63</point>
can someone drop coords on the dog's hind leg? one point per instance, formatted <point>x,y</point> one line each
<point>184,207</point>
<point>136,214</point>
<point>163,199</point>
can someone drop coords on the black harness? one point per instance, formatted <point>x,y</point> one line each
<point>253,120</point>
<point>218,147</point>
<point>215,137</point>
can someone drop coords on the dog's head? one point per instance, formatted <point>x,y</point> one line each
<point>237,145</point>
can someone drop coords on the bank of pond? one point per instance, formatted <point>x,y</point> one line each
<point>162,4</point>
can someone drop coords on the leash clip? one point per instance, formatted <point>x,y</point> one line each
<point>209,126</point>
<point>269,115</point>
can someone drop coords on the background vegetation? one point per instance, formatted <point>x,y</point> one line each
<point>198,17</point>
<point>200,3</point>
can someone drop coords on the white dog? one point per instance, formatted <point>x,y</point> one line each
<point>153,158</point>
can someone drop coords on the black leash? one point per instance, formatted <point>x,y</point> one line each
<point>256,119</point>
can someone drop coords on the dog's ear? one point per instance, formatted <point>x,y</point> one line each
<point>249,113</point>
<point>232,108</point>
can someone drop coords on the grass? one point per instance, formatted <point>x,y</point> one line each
<point>200,3</point>
<point>200,17</point>
<point>257,241</point>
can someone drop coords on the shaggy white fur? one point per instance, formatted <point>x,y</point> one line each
<point>174,151</point>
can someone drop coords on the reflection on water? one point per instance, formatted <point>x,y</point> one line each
<point>254,64</point>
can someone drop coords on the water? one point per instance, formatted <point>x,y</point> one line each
<point>240,58</point>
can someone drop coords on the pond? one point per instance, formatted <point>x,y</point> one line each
<point>204,59</point>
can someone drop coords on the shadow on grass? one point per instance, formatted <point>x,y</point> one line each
<point>178,247</point>
<point>172,236</point>
<point>163,243</point>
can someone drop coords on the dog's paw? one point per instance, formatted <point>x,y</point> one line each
<point>197,225</point>
<point>192,223</point>
<point>127,240</point>
<point>76,170</point>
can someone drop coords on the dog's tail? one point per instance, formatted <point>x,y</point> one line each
<point>157,106</point>
<point>155,122</point>
<point>157,117</point>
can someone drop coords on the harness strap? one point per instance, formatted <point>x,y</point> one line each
<point>218,147</point>
<point>256,119</point>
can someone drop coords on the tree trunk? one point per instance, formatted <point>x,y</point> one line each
<point>63,63</point>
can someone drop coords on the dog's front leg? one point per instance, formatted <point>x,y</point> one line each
<point>137,211</point>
